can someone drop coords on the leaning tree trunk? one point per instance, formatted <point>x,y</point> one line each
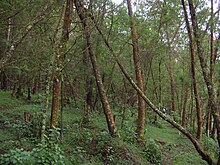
<point>82,12</point>
<point>206,75</point>
<point>137,67</point>
<point>195,88</point>
<point>60,57</point>
<point>196,144</point>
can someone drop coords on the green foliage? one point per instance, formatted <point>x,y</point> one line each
<point>46,153</point>
<point>188,159</point>
<point>30,129</point>
<point>153,152</point>
<point>7,102</point>
<point>128,133</point>
<point>78,155</point>
<point>176,117</point>
<point>17,156</point>
<point>211,146</point>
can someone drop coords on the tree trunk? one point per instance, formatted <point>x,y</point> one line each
<point>4,81</point>
<point>60,57</point>
<point>208,122</point>
<point>195,88</point>
<point>160,84</point>
<point>206,76</point>
<point>137,67</point>
<point>29,94</point>
<point>172,86</point>
<point>184,119</point>
<point>55,102</point>
<point>196,144</point>
<point>88,87</point>
<point>82,12</point>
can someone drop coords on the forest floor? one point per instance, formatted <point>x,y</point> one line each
<point>90,143</point>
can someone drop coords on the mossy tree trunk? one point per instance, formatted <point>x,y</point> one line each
<point>194,82</point>
<point>137,67</point>
<point>206,75</point>
<point>59,63</point>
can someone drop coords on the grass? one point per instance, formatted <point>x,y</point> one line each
<point>90,143</point>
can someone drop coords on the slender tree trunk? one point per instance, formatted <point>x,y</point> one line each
<point>4,81</point>
<point>212,51</point>
<point>208,122</point>
<point>172,86</point>
<point>55,101</point>
<point>29,94</point>
<point>137,67</point>
<point>60,57</point>
<point>88,86</point>
<point>185,98</point>
<point>170,70</point>
<point>206,76</point>
<point>61,109</point>
<point>195,88</point>
<point>160,84</point>
<point>82,12</point>
<point>196,144</point>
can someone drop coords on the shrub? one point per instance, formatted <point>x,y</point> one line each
<point>153,152</point>
<point>211,146</point>
<point>128,133</point>
<point>47,152</point>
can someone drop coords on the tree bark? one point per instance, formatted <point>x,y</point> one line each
<point>88,86</point>
<point>184,119</point>
<point>4,81</point>
<point>206,76</point>
<point>208,122</point>
<point>82,12</point>
<point>60,57</point>
<point>137,67</point>
<point>55,102</point>
<point>193,74</point>
<point>170,72</point>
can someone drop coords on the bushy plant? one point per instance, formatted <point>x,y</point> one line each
<point>211,146</point>
<point>153,152</point>
<point>128,133</point>
<point>17,156</point>
<point>79,155</point>
<point>29,129</point>
<point>46,153</point>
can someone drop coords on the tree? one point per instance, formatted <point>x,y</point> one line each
<point>59,63</point>
<point>83,15</point>
<point>198,147</point>
<point>18,39</point>
<point>137,67</point>
<point>195,88</point>
<point>209,83</point>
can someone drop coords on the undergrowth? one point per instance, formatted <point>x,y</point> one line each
<point>89,142</point>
